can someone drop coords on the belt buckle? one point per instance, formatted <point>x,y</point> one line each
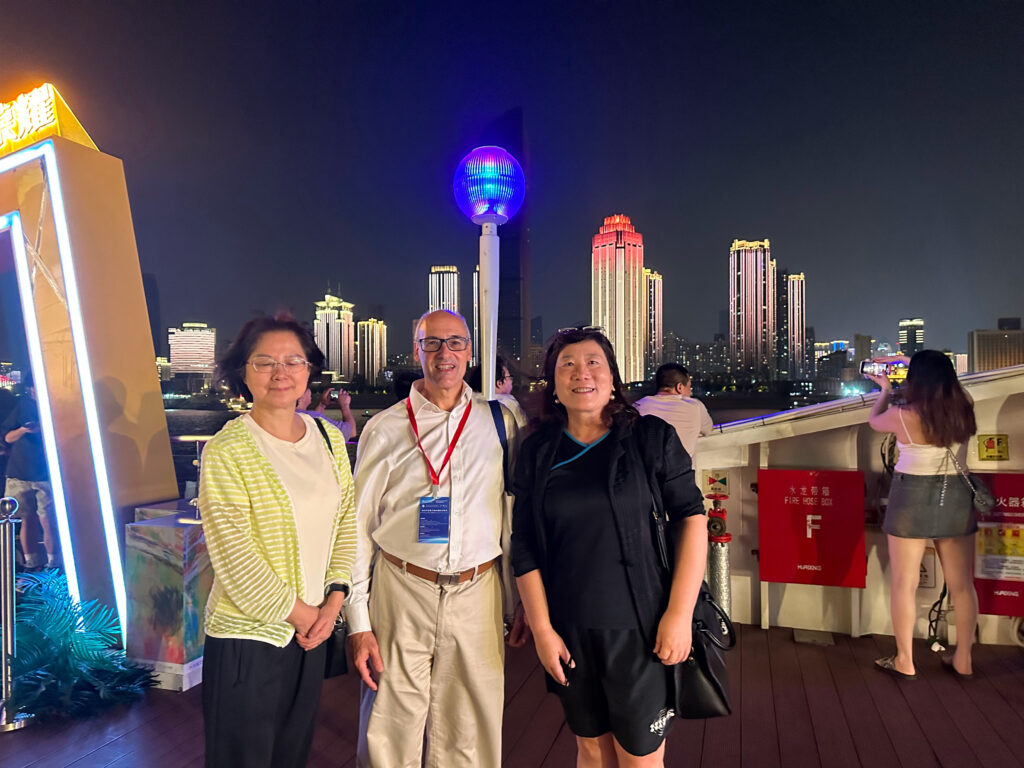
<point>448,579</point>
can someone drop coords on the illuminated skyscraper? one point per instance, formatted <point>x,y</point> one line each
<point>443,289</point>
<point>334,332</point>
<point>752,310</point>
<point>373,349</point>
<point>796,327</point>
<point>192,348</point>
<point>654,330</point>
<point>618,302</point>
<point>911,335</point>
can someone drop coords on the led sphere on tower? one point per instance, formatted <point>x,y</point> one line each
<point>489,185</point>
<point>489,188</point>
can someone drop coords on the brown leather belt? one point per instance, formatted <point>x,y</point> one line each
<point>443,579</point>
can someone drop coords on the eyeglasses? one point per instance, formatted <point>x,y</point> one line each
<point>267,364</point>
<point>582,329</point>
<point>433,344</point>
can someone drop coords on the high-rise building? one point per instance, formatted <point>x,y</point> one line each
<point>618,303</point>
<point>752,318</point>
<point>193,348</point>
<point>163,368</point>
<point>782,366</point>
<point>961,363</point>
<point>911,335</point>
<point>862,346</point>
<point>373,349</point>
<point>334,331</point>
<point>796,327</point>
<point>443,288</point>
<point>811,354</point>
<point>988,350</point>
<point>654,330</point>
<point>673,348</point>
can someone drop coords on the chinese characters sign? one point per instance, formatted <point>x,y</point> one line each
<point>999,548</point>
<point>25,119</point>
<point>811,527</point>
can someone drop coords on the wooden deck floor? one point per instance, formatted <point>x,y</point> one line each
<point>795,706</point>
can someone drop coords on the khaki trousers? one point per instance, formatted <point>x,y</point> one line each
<point>444,673</point>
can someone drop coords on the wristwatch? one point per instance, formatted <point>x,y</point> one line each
<point>343,588</point>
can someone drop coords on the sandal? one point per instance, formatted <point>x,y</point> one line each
<point>947,662</point>
<point>888,664</point>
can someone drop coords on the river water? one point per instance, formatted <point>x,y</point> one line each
<point>189,423</point>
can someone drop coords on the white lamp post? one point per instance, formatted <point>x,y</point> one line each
<point>489,188</point>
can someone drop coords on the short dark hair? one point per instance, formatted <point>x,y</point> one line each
<point>671,374</point>
<point>475,377</point>
<point>231,366</point>
<point>618,410</point>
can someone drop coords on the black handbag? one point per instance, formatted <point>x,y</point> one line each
<point>336,662</point>
<point>984,499</point>
<point>701,685</point>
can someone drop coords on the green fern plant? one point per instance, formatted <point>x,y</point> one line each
<point>68,664</point>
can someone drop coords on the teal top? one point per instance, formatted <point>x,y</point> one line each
<point>249,522</point>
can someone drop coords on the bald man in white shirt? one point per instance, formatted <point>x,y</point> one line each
<point>427,633</point>
<point>675,404</point>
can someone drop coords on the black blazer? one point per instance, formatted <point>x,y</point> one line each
<point>644,454</point>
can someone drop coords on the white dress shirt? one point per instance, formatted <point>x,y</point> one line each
<point>391,476</point>
<point>686,414</point>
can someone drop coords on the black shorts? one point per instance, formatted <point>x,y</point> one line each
<point>618,686</point>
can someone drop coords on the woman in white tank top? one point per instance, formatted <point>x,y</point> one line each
<point>928,500</point>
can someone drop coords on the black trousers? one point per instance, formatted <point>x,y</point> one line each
<point>259,703</point>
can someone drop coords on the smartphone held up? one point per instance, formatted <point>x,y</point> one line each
<point>894,370</point>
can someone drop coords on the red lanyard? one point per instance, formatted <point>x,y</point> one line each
<point>435,477</point>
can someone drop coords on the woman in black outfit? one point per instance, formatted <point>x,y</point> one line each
<point>606,620</point>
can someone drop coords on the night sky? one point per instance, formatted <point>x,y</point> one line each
<point>273,149</point>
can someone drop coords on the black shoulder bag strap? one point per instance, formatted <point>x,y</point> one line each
<point>320,426</point>
<point>659,519</point>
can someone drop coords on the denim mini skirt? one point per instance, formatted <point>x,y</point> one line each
<point>918,509</point>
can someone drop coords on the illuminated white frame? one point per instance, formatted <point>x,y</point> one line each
<point>46,153</point>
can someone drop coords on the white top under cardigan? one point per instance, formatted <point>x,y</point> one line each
<point>305,471</point>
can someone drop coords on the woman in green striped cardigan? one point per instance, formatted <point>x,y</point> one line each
<point>278,511</point>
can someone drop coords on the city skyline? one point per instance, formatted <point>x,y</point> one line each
<point>877,147</point>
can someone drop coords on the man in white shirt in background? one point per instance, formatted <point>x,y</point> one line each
<point>427,637</point>
<point>674,403</point>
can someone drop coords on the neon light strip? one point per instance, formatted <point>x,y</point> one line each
<point>92,418</point>
<point>12,222</point>
<point>46,151</point>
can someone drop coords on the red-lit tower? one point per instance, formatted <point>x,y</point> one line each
<point>618,302</point>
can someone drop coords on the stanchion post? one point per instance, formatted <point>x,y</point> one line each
<point>9,721</point>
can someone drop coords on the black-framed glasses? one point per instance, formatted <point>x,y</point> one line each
<point>582,329</point>
<point>267,364</point>
<point>433,343</point>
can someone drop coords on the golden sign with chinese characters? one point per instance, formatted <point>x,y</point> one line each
<point>36,115</point>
